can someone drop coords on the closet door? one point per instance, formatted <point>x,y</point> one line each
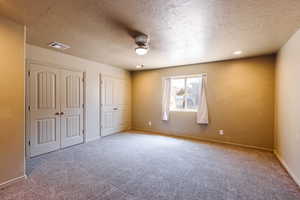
<point>115,105</point>
<point>108,108</point>
<point>122,105</point>
<point>71,114</point>
<point>44,108</point>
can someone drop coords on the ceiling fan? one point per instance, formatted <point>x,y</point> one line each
<point>142,42</point>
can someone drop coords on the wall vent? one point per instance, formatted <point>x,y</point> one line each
<point>58,45</point>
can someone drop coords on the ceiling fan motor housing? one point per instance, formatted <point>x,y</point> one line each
<point>142,40</point>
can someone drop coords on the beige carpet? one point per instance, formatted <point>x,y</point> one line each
<point>132,166</point>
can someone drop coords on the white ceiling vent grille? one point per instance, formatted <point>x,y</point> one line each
<point>58,45</point>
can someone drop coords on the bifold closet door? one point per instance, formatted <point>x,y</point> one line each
<point>71,101</point>
<point>44,108</point>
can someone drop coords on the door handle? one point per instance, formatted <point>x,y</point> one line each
<point>115,108</point>
<point>62,113</point>
<point>57,113</point>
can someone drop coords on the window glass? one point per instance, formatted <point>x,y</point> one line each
<point>177,94</point>
<point>184,94</point>
<point>192,90</point>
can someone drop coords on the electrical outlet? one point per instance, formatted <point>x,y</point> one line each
<point>221,132</point>
<point>149,123</point>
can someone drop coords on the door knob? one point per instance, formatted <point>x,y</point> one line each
<point>62,113</point>
<point>57,113</point>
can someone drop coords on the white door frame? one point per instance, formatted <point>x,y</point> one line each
<point>100,103</point>
<point>27,118</point>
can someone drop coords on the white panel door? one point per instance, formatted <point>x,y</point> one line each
<point>108,108</point>
<point>71,93</point>
<point>122,105</point>
<point>114,109</point>
<point>44,110</point>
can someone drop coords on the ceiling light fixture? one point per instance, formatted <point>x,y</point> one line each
<point>237,52</point>
<point>58,45</point>
<point>141,50</point>
<point>142,42</point>
<point>140,66</point>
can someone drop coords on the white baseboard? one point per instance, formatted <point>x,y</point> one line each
<point>11,181</point>
<point>283,163</point>
<point>92,139</point>
<point>204,139</point>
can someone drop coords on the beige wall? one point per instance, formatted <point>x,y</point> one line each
<point>11,100</point>
<point>240,99</point>
<point>287,118</point>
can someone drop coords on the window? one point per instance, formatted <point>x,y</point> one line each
<point>184,93</point>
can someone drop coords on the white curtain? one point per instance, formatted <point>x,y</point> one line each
<point>202,111</point>
<point>166,99</point>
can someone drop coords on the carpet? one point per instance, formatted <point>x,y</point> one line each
<point>134,166</point>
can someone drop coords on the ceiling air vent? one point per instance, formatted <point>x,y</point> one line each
<point>58,45</point>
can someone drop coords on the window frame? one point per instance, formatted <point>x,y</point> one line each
<point>185,77</point>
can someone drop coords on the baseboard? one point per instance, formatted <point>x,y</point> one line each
<point>12,181</point>
<point>92,139</point>
<point>204,139</point>
<point>283,163</point>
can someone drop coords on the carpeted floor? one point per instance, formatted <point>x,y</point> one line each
<point>131,166</point>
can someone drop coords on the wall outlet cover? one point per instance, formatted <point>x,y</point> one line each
<point>221,132</point>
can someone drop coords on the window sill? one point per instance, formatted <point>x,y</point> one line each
<point>194,111</point>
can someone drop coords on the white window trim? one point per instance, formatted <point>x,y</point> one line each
<point>185,77</point>
<point>183,110</point>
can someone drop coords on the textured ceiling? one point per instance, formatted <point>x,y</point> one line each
<point>182,31</point>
